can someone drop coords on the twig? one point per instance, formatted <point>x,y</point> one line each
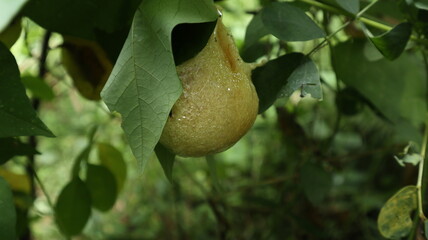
<point>326,39</point>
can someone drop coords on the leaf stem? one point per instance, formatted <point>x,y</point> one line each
<point>326,39</point>
<point>43,188</point>
<point>359,17</point>
<point>421,172</point>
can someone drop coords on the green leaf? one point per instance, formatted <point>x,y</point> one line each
<point>213,170</point>
<point>38,87</point>
<point>316,182</point>
<point>421,4</point>
<point>166,159</point>
<point>395,220</point>
<point>102,187</point>
<point>17,116</point>
<point>397,88</point>
<point>255,30</point>
<point>412,158</point>
<point>112,159</point>
<point>144,84</point>
<point>84,154</point>
<point>10,147</point>
<point>73,207</point>
<point>12,32</point>
<point>351,6</point>
<point>289,23</point>
<point>284,75</point>
<point>392,43</point>
<point>81,18</point>
<point>9,9</point>
<point>7,212</point>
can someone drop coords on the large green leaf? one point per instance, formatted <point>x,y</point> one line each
<point>112,159</point>
<point>284,75</point>
<point>9,9</point>
<point>289,23</point>
<point>17,116</point>
<point>73,207</point>
<point>144,84</point>
<point>7,212</point>
<point>166,159</point>
<point>82,18</point>
<point>396,88</point>
<point>10,147</point>
<point>392,43</point>
<point>395,220</point>
<point>102,187</point>
<point>351,6</point>
<point>255,30</point>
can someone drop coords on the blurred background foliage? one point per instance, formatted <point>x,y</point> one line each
<point>307,169</point>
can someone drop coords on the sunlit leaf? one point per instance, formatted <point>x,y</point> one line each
<point>17,116</point>
<point>7,212</point>
<point>166,159</point>
<point>144,84</point>
<point>392,43</point>
<point>73,207</point>
<point>395,220</point>
<point>8,11</point>
<point>102,186</point>
<point>284,75</point>
<point>112,159</point>
<point>289,23</point>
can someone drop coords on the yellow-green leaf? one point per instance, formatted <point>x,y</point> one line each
<point>394,221</point>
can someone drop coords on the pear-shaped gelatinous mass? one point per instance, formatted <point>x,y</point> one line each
<point>219,103</point>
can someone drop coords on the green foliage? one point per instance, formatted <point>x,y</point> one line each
<point>316,182</point>
<point>396,88</point>
<point>111,158</point>
<point>279,78</point>
<point>351,6</point>
<point>166,159</point>
<point>308,169</point>
<point>81,18</point>
<point>73,207</point>
<point>7,212</point>
<point>102,187</point>
<point>10,147</point>
<point>289,23</point>
<point>16,111</point>
<point>392,43</point>
<point>145,109</point>
<point>395,220</point>
<point>38,88</point>
<point>296,26</point>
